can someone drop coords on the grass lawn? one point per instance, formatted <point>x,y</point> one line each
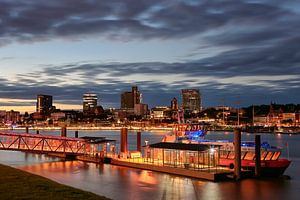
<point>17,184</point>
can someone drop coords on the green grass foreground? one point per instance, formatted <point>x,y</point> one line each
<point>17,184</point>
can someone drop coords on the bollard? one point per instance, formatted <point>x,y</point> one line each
<point>237,153</point>
<point>257,156</point>
<point>138,142</point>
<point>37,132</point>
<point>124,148</point>
<point>27,129</point>
<point>76,134</point>
<point>64,131</point>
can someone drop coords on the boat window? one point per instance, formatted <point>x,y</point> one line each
<point>263,155</point>
<point>249,155</point>
<point>269,156</point>
<point>243,153</point>
<point>224,154</point>
<point>276,155</point>
<point>231,155</point>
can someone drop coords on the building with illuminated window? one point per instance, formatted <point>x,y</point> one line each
<point>131,103</point>
<point>181,155</point>
<point>174,104</point>
<point>89,103</point>
<point>191,100</point>
<point>126,100</point>
<point>129,99</point>
<point>44,104</point>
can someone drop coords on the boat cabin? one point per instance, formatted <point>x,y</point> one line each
<point>181,155</point>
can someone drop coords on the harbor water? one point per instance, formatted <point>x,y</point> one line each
<point>124,183</point>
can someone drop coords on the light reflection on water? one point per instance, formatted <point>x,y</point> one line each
<point>125,183</point>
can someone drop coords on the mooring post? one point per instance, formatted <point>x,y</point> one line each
<point>37,132</point>
<point>237,153</point>
<point>76,134</point>
<point>27,129</point>
<point>64,131</point>
<point>124,147</point>
<point>257,156</point>
<point>138,141</point>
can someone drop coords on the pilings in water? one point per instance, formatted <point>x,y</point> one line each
<point>76,134</point>
<point>64,131</point>
<point>237,154</point>
<point>257,156</point>
<point>138,141</point>
<point>124,143</point>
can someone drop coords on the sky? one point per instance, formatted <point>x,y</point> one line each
<point>237,53</point>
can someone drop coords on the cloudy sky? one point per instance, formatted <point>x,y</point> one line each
<point>233,51</point>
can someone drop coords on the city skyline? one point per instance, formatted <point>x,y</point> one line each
<point>244,51</point>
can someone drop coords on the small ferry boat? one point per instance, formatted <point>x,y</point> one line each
<point>271,163</point>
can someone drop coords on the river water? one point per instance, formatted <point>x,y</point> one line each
<point>126,183</point>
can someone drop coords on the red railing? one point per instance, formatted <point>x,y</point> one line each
<point>43,143</point>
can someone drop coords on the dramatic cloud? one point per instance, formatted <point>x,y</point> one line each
<point>232,22</point>
<point>243,49</point>
<point>217,78</point>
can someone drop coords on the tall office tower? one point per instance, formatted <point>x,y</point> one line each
<point>89,103</point>
<point>174,104</point>
<point>126,100</point>
<point>191,100</point>
<point>135,95</point>
<point>44,104</point>
<point>129,99</point>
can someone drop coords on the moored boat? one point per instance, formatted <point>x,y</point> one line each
<point>271,162</point>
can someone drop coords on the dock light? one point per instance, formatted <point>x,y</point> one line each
<point>146,142</point>
<point>212,151</point>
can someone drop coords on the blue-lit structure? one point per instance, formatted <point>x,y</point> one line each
<point>264,145</point>
<point>195,135</point>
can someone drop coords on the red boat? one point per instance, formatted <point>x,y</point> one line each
<point>271,164</point>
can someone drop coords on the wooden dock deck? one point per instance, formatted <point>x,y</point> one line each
<point>206,174</point>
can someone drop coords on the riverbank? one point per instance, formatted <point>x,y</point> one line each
<point>17,184</point>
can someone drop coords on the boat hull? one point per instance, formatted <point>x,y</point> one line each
<point>269,168</point>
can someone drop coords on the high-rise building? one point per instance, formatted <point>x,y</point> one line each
<point>129,99</point>
<point>131,103</point>
<point>89,103</point>
<point>174,104</point>
<point>191,100</point>
<point>44,104</point>
<point>126,100</point>
<point>135,95</point>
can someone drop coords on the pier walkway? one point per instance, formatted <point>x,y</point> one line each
<point>36,143</point>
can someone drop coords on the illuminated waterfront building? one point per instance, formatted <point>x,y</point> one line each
<point>181,155</point>
<point>89,103</point>
<point>12,116</point>
<point>44,104</point>
<point>191,100</point>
